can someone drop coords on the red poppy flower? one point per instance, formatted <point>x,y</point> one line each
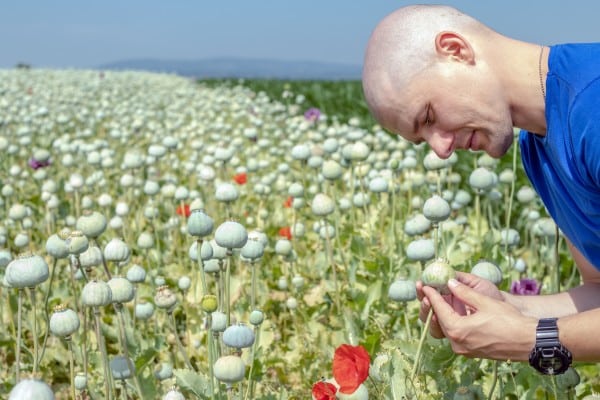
<point>288,202</point>
<point>350,367</point>
<point>183,210</point>
<point>240,178</point>
<point>286,232</point>
<point>323,391</point>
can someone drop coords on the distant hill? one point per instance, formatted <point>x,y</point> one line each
<point>242,68</point>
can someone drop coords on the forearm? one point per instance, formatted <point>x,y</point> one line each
<point>542,306</point>
<point>578,333</point>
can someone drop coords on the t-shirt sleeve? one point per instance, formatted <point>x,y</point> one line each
<point>584,123</point>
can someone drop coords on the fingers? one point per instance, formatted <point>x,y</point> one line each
<point>434,329</point>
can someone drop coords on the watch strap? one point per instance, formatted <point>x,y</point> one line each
<point>546,334</point>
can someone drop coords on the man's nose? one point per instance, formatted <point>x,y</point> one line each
<point>441,142</point>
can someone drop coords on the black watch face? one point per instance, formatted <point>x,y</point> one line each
<point>553,365</point>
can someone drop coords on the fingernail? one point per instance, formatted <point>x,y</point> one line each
<point>453,282</point>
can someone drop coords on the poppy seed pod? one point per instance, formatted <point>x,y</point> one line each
<point>145,240</point>
<point>322,205</point>
<point>252,250</point>
<point>96,294</point>
<point>77,243</point>
<point>509,237</point>
<point>92,257</point>
<point>31,389</point>
<point>436,209</point>
<point>91,223</point>
<point>17,212</point>
<point>184,283</point>
<point>296,190</point>
<point>136,274</point>
<point>121,367</point>
<point>331,170</point>
<point>300,152</point>
<point>80,381</point>
<point>121,290</point>
<point>431,162</point>
<point>27,270</point>
<point>56,247</point>
<point>229,369</point>
<point>21,240</point>
<point>165,298</point>
<point>199,223</point>
<point>226,192</point>
<point>526,194</point>
<point>116,250</point>
<point>173,394</point>
<point>163,371</point>
<point>5,258</point>
<point>437,274</point>
<point>64,321</point>
<point>283,247</point>
<point>212,266</point>
<point>355,152</point>
<point>417,225</point>
<point>487,270</point>
<point>218,321</point>
<point>402,290</point>
<point>144,310</point>
<point>361,393</point>
<point>256,317</point>
<point>378,185</point>
<point>420,250</point>
<point>151,188</point>
<point>482,179</point>
<point>231,235</point>
<point>238,336</point>
<point>463,393</point>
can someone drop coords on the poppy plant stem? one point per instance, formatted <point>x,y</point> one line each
<point>19,314</point>
<point>211,358</point>
<point>179,344</point>
<point>34,330</point>
<point>329,253</point>
<point>71,366</point>
<point>201,268</point>
<point>417,362</point>
<point>100,338</point>
<point>46,314</point>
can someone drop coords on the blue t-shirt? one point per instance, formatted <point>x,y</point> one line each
<point>564,165</point>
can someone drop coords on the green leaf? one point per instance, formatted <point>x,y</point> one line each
<point>192,382</point>
<point>373,294</point>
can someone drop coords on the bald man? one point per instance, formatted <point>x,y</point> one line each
<point>433,74</point>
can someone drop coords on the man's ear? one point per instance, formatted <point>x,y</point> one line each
<point>453,45</point>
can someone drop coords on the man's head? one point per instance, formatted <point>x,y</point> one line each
<point>426,77</point>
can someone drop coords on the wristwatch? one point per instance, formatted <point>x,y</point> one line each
<point>549,356</point>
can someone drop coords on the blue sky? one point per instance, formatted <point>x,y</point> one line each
<point>85,34</point>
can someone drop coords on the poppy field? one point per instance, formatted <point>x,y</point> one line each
<point>164,238</point>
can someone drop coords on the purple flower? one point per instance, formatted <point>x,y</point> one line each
<point>312,114</point>
<point>525,286</point>
<point>35,164</point>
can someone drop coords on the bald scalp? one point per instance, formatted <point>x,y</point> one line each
<point>402,45</point>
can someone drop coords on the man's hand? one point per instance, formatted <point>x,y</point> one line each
<point>478,323</point>
<point>478,284</point>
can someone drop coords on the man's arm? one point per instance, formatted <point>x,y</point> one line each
<point>582,298</point>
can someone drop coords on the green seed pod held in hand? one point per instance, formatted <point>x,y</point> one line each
<point>437,274</point>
